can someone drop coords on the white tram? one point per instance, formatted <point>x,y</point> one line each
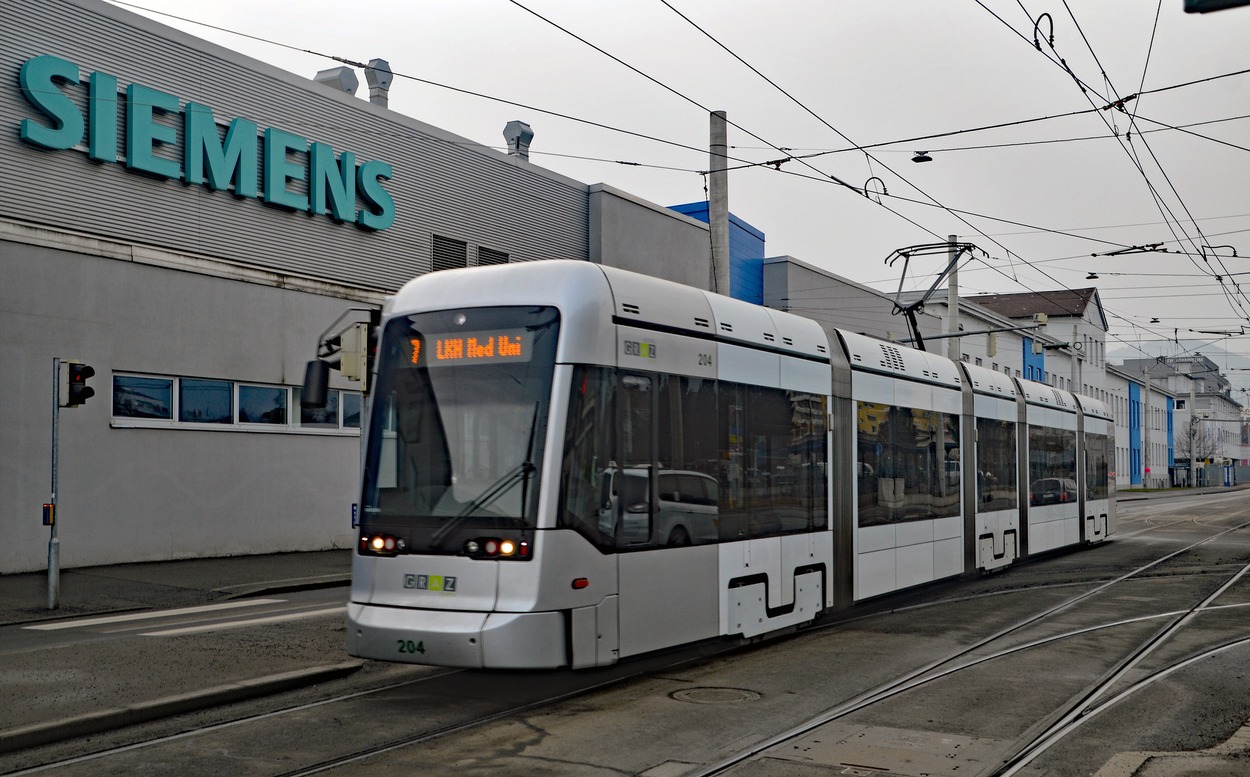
<point>568,464</point>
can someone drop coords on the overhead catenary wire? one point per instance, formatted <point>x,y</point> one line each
<point>649,138</point>
<point>840,134</point>
<point>1170,218</point>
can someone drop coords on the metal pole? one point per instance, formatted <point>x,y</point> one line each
<point>952,302</point>
<point>54,544</point>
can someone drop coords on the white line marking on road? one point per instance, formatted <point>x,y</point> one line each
<point>137,616</point>
<point>238,624</point>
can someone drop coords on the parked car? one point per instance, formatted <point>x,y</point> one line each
<point>1050,491</point>
<point>687,512</point>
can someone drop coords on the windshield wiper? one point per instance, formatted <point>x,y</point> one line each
<point>494,491</point>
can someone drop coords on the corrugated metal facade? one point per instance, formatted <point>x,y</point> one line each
<point>441,184</point>
<point>155,281</point>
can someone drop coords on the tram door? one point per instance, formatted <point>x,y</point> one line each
<point>667,567</point>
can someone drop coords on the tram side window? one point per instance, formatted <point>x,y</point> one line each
<point>687,458</point>
<point>1096,465</point>
<point>1052,465</point>
<point>773,461</point>
<point>655,460</point>
<point>589,446</point>
<point>908,467</point>
<point>996,464</point>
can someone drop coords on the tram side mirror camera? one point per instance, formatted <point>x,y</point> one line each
<point>316,382</point>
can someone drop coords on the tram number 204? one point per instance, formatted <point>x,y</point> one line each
<point>408,646</point>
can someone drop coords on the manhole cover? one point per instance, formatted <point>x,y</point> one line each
<point>714,695</point>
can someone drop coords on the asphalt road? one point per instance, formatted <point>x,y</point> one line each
<point>820,702</point>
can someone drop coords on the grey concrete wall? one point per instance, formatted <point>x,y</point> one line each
<point>135,494</point>
<point>633,234</point>
<point>792,285</point>
<point>134,273</point>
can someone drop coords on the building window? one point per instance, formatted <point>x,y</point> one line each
<point>449,254</point>
<point>199,403</point>
<point>205,401</point>
<point>320,417</point>
<point>262,405</point>
<point>488,256</point>
<point>978,361</point>
<point>351,410</point>
<point>139,397</point>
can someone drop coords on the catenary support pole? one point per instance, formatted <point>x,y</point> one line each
<point>952,302</point>
<point>718,201</point>
<point>1145,428</point>
<point>1193,438</point>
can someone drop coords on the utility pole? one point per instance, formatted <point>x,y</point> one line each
<point>718,202</point>
<point>952,301</point>
<point>1076,351</point>
<point>1193,438</point>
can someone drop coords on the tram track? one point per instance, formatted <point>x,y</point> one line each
<point>1089,706</point>
<point>1084,706</point>
<point>571,685</point>
<point>1061,723</point>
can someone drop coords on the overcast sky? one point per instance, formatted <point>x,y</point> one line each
<point>870,83</point>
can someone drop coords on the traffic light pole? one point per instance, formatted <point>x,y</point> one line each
<point>54,544</point>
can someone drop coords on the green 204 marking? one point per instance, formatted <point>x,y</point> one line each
<point>408,646</point>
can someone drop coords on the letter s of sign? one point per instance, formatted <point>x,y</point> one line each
<point>38,78</point>
<point>369,177</point>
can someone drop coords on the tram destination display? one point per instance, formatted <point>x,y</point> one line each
<point>467,348</point>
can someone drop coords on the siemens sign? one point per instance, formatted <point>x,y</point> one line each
<point>333,183</point>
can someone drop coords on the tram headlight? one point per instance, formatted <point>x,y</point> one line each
<point>382,545</point>
<point>497,548</point>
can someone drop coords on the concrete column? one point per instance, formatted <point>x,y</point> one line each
<point>718,202</point>
<point>952,302</point>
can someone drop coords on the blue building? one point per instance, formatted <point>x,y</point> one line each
<point>746,253</point>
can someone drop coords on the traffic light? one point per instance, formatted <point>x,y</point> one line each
<point>75,390</point>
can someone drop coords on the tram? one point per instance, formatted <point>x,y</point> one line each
<point>568,464</point>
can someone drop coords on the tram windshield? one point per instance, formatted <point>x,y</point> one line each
<point>458,421</point>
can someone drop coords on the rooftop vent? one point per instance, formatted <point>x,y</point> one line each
<point>342,79</point>
<point>518,134</point>
<point>379,76</point>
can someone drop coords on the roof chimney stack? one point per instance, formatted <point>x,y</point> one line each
<point>379,76</point>
<point>342,79</point>
<point>518,134</point>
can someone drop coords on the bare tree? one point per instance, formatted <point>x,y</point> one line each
<point>1199,443</point>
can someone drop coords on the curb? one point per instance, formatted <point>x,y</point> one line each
<point>284,586</point>
<point>35,734</point>
<point>1202,491</point>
